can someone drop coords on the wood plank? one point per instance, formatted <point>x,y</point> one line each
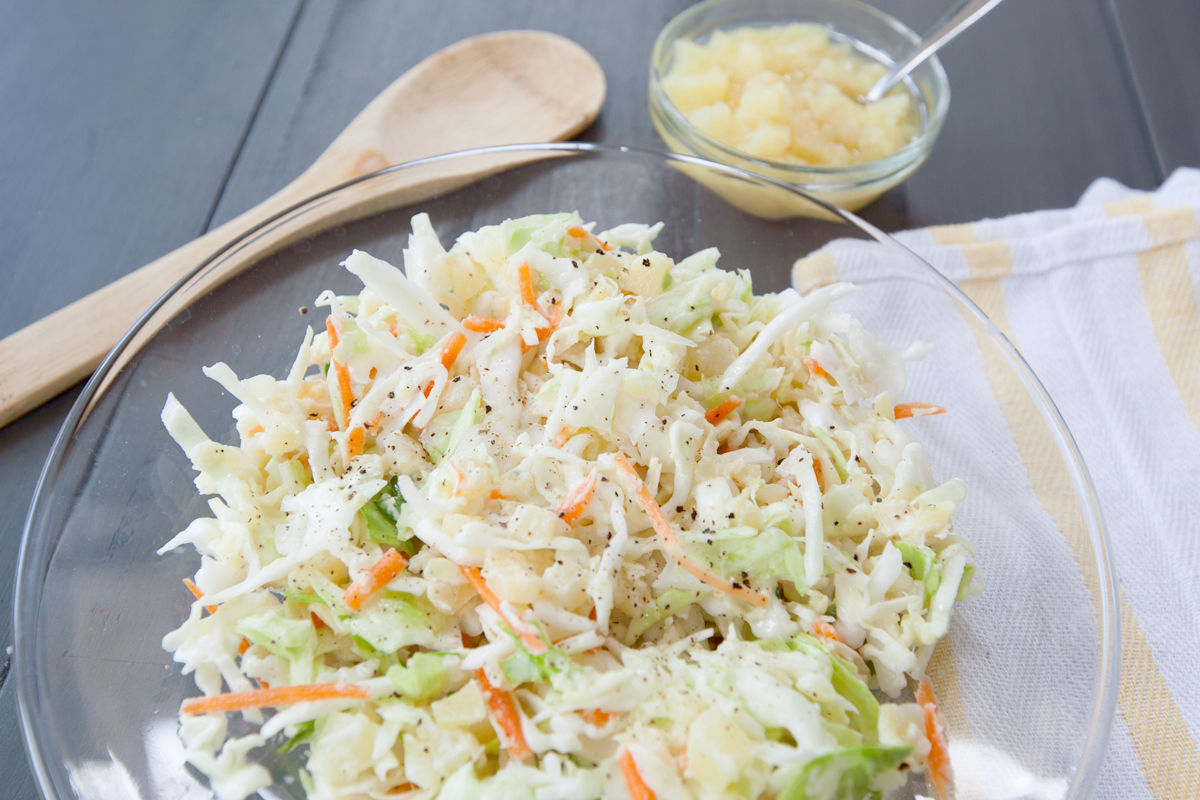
<point>120,121</point>
<point>1162,43</point>
<point>1039,109</point>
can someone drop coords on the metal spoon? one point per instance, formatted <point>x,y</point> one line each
<point>955,21</point>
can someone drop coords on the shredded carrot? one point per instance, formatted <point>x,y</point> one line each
<point>375,578</point>
<point>917,410</point>
<point>343,375</point>
<point>528,292</point>
<point>273,698</point>
<point>818,472</point>
<point>555,319</point>
<point>577,499</point>
<point>597,718</point>
<point>332,426</point>
<point>393,329</point>
<point>333,336</point>
<point>257,429</point>
<point>670,543</point>
<point>525,632</point>
<point>816,368</point>
<point>317,622</point>
<point>482,324</point>
<point>199,595</point>
<point>264,684</point>
<point>496,495</point>
<point>723,409</point>
<point>347,394</point>
<point>638,790</point>
<point>243,646</point>
<point>822,628</point>
<point>504,712</point>
<point>564,434</point>
<point>940,772</point>
<point>354,442</point>
<point>375,422</point>
<point>580,232</point>
<point>454,346</point>
<point>372,373</point>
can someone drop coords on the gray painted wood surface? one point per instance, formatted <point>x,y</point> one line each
<point>127,128</point>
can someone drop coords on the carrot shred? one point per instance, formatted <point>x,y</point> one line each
<point>528,293</point>
<point>393,329</point>
<point>264,684</point>
<point>333,335</point>
<point>375,578</point>
<point>670,543</point>
<point>372,373</point>
<point>482,324</point>
<point>597,718</point>
<point>917,410</point>
<point>343,375</point>
<point>459,478</point>
<point>504,712</point>
<point>199,595</point>
<point>580,232</point>
<point>317,622</point>
<point>940,772</point>
<point>564,434</point>
<point>257,429</point>
<point>454,346</point>
<point>723,409</point>
<point>638,790</point>
<point>273,698</point>
<point>243,646</point>
<point>525,632</point>
<point>573,505</point>
<point>818,471</point>
<point>496,495</point>
<point>822,628</point>
<point>555,319</point>
<point>816,369</point>
<point>354,442</point>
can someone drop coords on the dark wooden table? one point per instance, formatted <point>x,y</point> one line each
<point>129,127</point>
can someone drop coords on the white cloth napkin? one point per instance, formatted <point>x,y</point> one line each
<point>1101,300</point>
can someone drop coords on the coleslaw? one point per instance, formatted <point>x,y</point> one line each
<point>551,516</point>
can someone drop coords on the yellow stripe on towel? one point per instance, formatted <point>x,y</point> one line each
<point>1157,728</point>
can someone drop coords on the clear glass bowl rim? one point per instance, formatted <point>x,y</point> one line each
<point>854,173</point>
<point>29,576</point>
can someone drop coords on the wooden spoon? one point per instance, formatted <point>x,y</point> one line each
<point>512,87</point>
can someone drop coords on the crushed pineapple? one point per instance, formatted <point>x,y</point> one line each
<point>788,93</point>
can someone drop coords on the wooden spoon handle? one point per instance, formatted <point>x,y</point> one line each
<point>56,352</point>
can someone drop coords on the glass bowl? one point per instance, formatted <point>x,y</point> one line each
<point>99,696</point>
<point>868,30</point>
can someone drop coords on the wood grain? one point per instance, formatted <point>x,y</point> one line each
<point>1162,44</point>
<point>528,86</point>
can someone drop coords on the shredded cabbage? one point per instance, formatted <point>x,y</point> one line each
<point>539,626</point>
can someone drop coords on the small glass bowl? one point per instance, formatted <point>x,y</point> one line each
<point>866,29</point>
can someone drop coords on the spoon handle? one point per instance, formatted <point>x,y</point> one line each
<point>954,22</point>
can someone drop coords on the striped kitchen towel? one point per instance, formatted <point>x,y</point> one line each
<point>1101,300</point>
